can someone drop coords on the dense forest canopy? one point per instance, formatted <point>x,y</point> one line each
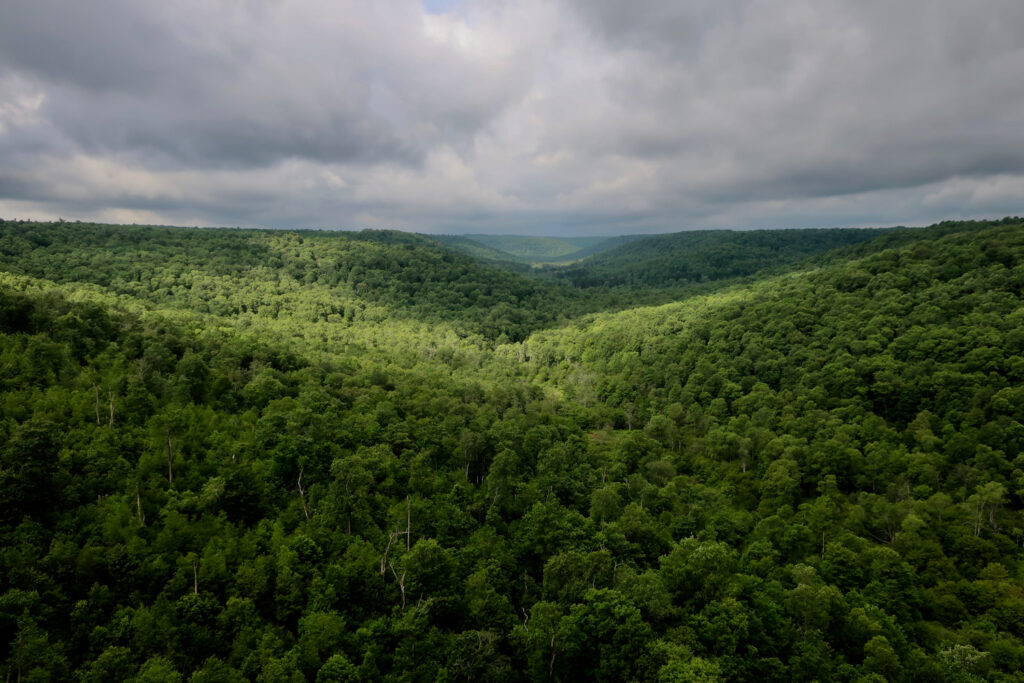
<point>237,455</point>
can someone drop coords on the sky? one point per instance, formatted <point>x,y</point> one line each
<point>557,117</point>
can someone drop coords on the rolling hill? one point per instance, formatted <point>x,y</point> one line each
<point>242,455</point>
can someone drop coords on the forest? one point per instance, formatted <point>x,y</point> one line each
<point>240,455</point>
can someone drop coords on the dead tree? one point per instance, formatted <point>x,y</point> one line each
<point>138,506</point>
<point>170,461</point>
<point>384,557</point>
<point>401,581</point>
<point>302,495</point>
<point>408,522</point>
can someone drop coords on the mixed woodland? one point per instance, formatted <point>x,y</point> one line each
<point>233,455</point>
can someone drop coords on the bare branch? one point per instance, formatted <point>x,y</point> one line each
<point>400,580</point>
<point>384,558</point>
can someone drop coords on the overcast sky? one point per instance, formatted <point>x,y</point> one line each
<point>520,116</point>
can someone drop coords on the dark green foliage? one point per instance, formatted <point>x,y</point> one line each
<point>232,456</point>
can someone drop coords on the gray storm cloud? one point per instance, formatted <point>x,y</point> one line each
<point>525,116</point>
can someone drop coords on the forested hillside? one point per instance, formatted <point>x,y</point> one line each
<point>336,276</point>
<point>538,249</point>
<point>482,252</point>
<point>279,456</point>
<point>603,245</point>
<point>524,251</point>
<point>704,255</point>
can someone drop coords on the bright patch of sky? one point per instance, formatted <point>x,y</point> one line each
<point>439,6</point>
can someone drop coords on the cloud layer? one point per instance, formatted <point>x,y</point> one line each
<point>556,117</point>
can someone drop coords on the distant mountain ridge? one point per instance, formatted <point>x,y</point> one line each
<point>535,250</point>
<point>477,249</point>
<point>682,258</point>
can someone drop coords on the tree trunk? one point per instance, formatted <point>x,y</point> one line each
<point>384,557</point>
<point>170,462</point>
<point>138,506</point>
<point>551,663</point>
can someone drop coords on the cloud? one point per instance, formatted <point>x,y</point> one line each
<point>246,84</point>
<point>525,115</point>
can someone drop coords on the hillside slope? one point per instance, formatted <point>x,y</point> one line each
<point>337,276</point>
<point>536,249</point>
<point>699,256</point>
<point>599,247</point>
<point>478,250</point>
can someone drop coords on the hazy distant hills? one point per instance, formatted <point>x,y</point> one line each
<point>478,250</point>
<point>666,260</point>
<point>536,250</point>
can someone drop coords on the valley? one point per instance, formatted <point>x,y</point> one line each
<point>720,455</point>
